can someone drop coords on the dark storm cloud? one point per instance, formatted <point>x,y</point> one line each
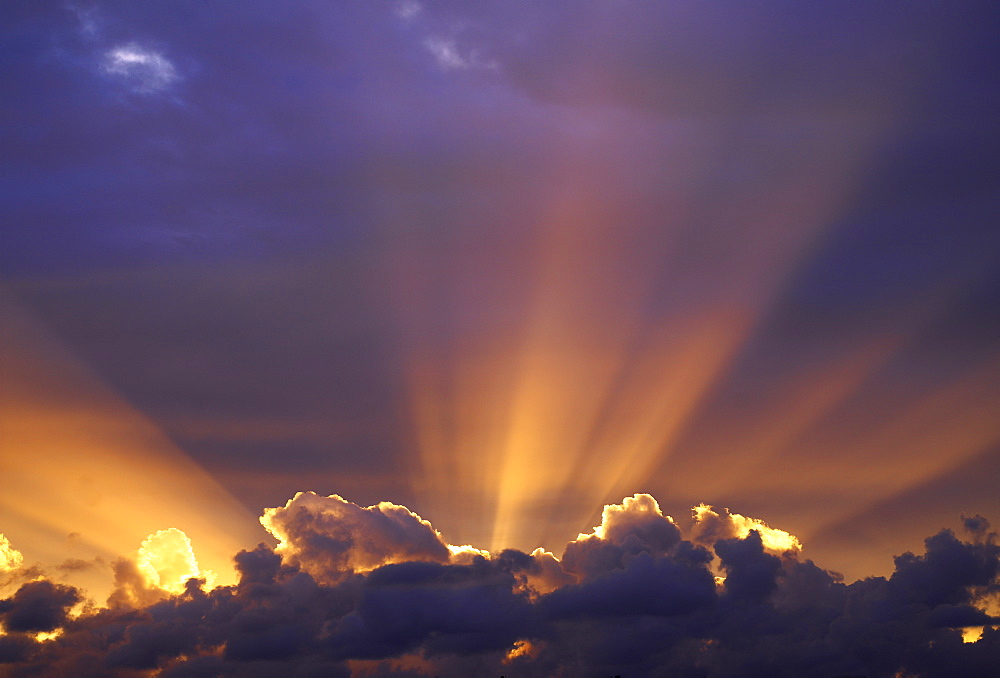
<point>658,610</point>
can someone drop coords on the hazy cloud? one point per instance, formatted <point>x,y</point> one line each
<point>450,56</point>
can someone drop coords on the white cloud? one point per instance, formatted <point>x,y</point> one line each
<point>407,9</point>
<point>146,71</point>
<point>449,57</point>
<point>446,53</point>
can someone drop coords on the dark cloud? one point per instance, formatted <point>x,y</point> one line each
<point>664,606</point>
<point>38,606</point>
<point>437,608</point>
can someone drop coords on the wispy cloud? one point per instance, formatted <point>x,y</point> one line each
<point>144,70</point>
<point>450,57</point>
<point>407,9</point>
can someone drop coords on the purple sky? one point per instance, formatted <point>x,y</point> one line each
<point>502,260</point>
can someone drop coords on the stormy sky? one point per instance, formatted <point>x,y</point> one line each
<point>502,264</point>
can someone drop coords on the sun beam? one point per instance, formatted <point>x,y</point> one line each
<point>549,377</point>
<point>92,477</point>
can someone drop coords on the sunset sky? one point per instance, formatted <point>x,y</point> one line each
<point>500,263</point>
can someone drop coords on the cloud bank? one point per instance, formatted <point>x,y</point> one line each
<point>356,591</point>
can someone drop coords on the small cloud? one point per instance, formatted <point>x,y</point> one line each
<point>146,71</point>
<point>407,9</point>
<point>446,53</point>
<point>77,564</point>
<point>90,20</point>
<point>449,57</point>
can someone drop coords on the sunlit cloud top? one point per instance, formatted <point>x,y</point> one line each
<point>10,557</point>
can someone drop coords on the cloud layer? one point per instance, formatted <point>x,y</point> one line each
<point>355,591</point>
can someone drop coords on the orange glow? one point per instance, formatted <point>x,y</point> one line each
<point>465,554</point>
<point>88,476</point>
<point>522,648</point>
<point>375,668</point>
<point>905,450</point>
<point>971,634</point>
<point>540,381</point>
<point>43,636</point>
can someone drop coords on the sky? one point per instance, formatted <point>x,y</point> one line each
<point>347,309</point>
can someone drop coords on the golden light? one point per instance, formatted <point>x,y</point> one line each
<point>558,369</point>
<point>521,648</point>
<point>10,557</point>
<point>774,540</point>
<point>466,554</point>
<point>167,561</point>
<point>971,634</point>
<point>44,636</point>
<point>86,475</point>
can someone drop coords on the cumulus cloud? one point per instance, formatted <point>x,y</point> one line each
<point>710,526</point>
<point>375,590</point>
<point>10,557</point>
<point>330,536</point>
<point>163,565</point>
<point>144,70</point>
<point>636,526</point>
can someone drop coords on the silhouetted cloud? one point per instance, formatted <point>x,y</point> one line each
<point>38,606</point>
<point>633,597</point>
